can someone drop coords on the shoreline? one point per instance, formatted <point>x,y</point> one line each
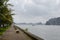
<point>30,34</point>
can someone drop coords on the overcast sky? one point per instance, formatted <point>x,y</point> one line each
<point>35,10</point>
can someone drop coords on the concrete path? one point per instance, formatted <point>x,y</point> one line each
<point>11,34</point>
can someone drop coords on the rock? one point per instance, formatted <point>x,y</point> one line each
<point>17,31</point>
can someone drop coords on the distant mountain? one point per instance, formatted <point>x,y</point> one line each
<point>53,21</point>
<point>30,23</point>
<point>38,23</point>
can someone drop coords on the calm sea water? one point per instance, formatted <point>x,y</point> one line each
<point>44,31</point>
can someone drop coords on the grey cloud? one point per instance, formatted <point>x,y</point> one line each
<point>50,4</point>
<point>35,11</point>
<point>40,8</point>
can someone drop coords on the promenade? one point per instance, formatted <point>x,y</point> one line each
<point>11,34</point>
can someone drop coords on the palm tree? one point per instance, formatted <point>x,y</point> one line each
<point>5,13</point>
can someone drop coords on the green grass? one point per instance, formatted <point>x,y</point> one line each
<point>2,30</point>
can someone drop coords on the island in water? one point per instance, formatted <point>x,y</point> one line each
<point>53,21</point>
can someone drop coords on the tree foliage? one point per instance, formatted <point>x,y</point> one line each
<point>5,13</point>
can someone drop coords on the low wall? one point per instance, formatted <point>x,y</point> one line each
<point>34,37</point>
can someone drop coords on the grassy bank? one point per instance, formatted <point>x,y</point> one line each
<point>3,29</point>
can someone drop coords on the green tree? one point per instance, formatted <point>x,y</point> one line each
<point>5,13</point>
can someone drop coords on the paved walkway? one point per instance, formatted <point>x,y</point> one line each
<point>11,34</point>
